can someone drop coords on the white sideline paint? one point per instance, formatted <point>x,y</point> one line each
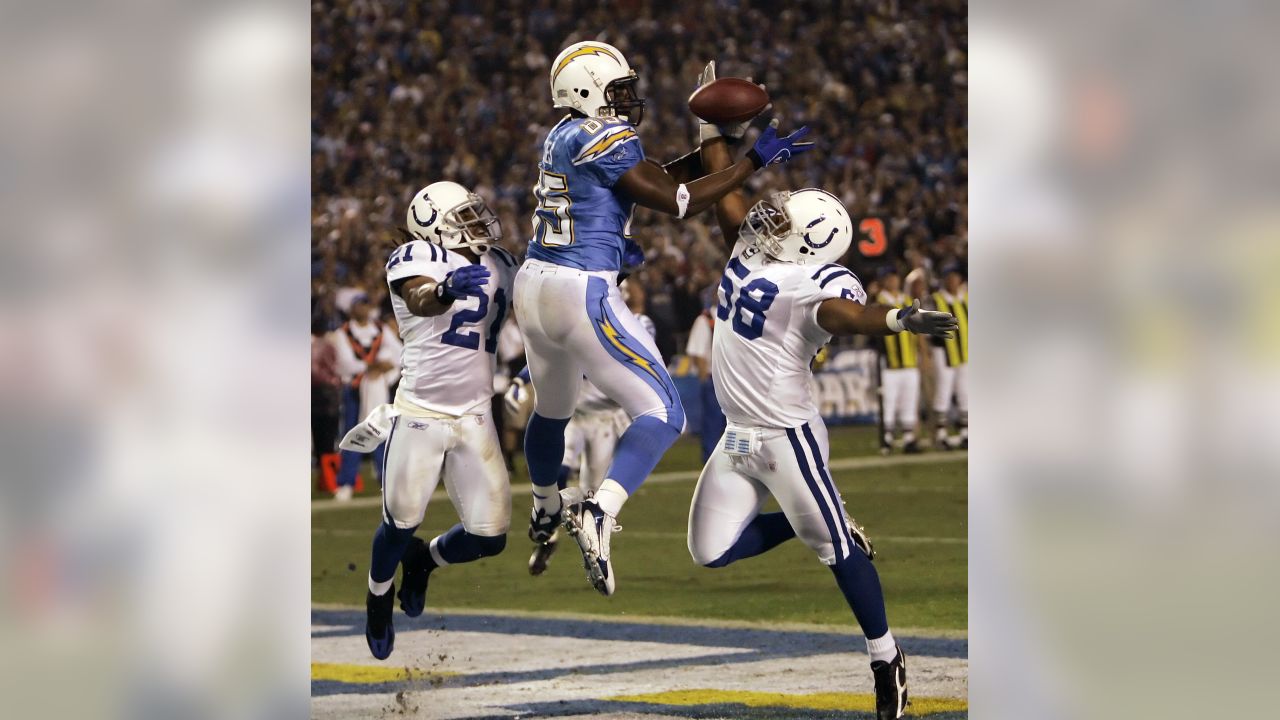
<point>857,463</point>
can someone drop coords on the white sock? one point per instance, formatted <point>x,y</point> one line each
<point>882,649</point>
<point>550,503</point>
<point>435,553</point>
<point>611,496</point>
<point>379,588</point>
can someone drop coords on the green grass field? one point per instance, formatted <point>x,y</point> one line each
<point>916,514</point>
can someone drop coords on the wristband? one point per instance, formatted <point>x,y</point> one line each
<point>682,200</point>
<point>893,322</point>
<point>755,158</point>
<point>443,297</point>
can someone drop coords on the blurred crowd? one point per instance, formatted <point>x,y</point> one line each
<point>406,93</point>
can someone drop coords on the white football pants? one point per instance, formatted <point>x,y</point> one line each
<point>791,465</point>
<point>948,380</point>
<point>465,451</point>
<point>901,389</point>
<point>589,441</point>
<point>575,323</point>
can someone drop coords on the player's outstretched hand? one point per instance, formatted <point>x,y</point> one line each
<point>770,148</point>
<point>706,130</point>
<point>927,322</point>
<point>466,281</point>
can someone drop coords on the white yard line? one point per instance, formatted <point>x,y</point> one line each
<point>856,463</point>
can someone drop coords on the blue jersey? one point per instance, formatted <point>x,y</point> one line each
<point>581,221</point>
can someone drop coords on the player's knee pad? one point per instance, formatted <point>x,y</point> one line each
<point>670,415</point>
<point>819,542</point>
<point>402,513</point>
<point>490,545</point>
<point>707,556</point>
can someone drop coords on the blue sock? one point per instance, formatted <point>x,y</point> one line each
<point>456,545</point>
<point>389,543</point>
<point>761,535</point>
<point>544,449</point>
<point>562,480</point>
<point>860,583</point>
<point>639,450</point>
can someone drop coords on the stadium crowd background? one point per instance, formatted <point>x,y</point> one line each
<point>407,93</point>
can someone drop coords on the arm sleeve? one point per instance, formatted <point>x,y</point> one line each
<point>608,154</point>
<point>416,259</point>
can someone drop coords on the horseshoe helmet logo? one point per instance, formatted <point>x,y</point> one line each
<point>831,236</point>
<point>424,223</point>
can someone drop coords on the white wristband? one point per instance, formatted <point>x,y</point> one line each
<point>682,200</point>
<point>893,322</point>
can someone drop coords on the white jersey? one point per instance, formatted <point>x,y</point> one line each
<point>448,361</point>
<point>766,334</point>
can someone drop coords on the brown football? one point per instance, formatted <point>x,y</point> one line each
<point>728,100</point>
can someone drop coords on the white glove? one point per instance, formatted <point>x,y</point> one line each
<point>706,130</point>
<point>514,397</point>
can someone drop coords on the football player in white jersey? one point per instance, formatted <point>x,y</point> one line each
<point>451,290</point>
<point>782,298</point>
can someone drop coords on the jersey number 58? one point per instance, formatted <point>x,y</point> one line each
<point>753,300</point>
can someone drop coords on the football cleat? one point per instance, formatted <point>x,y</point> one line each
<point>911,448</point>
<point>413,595</point>
<point>542,553</point>
<point>542,525</point>
<point>891,687</point>
<point>860,538</point>
<point>592,528</point>
<point>379,631</point>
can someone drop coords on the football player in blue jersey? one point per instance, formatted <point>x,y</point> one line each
<point>591,175</point>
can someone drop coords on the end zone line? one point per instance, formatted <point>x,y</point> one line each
<point>855,463</point>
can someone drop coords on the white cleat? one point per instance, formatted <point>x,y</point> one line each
<point>592,528</point>
<point>860,538</point>
<point>343,493</point>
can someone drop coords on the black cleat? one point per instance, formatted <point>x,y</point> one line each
<point>911,448</point>
<point>542,553</point>
<point>542,526</point>
<point>378,628</point>
<point>891,687</point>
<point>415,574</point>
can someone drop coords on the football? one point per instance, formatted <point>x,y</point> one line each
<point>728,100</point>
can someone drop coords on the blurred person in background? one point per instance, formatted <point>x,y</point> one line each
<point>325,398</point>
<point>699,351</point>
<point>950,361</point>
<point>368,355</point>
<point>899,372</point>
